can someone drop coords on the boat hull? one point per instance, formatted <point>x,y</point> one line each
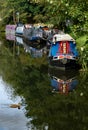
<point>63,53</point>
<point>63,64</point>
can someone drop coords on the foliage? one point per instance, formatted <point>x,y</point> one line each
<point>83,56</point>
<point>72,16</point>
<point>30,79</point>
<point>81,41</point>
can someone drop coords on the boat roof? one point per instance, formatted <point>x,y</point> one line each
<point>62,37</point>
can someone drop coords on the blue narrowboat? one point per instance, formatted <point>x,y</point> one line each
<point>63,52</point>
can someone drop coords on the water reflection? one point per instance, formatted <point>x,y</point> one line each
<point>10,117</point>
<point>63,81</point>
<point>29,78</point>
<point>10,37</point>
<point>35,50</point>
<point>19,40</point>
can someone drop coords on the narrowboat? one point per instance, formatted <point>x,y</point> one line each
<point>36,34</point>
<point>10,29</point>
<point>19,29</point>
<point>63,52</point>
<point>10,32</point>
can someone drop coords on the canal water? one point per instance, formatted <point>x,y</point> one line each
<point>10,118</point>
<point>49,99</point>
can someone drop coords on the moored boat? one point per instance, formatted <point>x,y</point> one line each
<point>19,29</point>
<point>63,52</point>
<point>10,29</point>
<point>36,34</point>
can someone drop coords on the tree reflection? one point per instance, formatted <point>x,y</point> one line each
<point>29,78</point>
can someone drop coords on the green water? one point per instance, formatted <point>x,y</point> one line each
<point>29,80</point>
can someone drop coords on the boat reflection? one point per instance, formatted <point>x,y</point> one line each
<point>19,40</point>
<point>63,81</point>
<point>36,50</point>
<point>10,37</point>
<point>16,42</point>
<point>16,39</point>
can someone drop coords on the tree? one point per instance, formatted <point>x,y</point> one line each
<point>69,15</point>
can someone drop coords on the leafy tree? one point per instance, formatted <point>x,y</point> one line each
<point>66,14</point>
